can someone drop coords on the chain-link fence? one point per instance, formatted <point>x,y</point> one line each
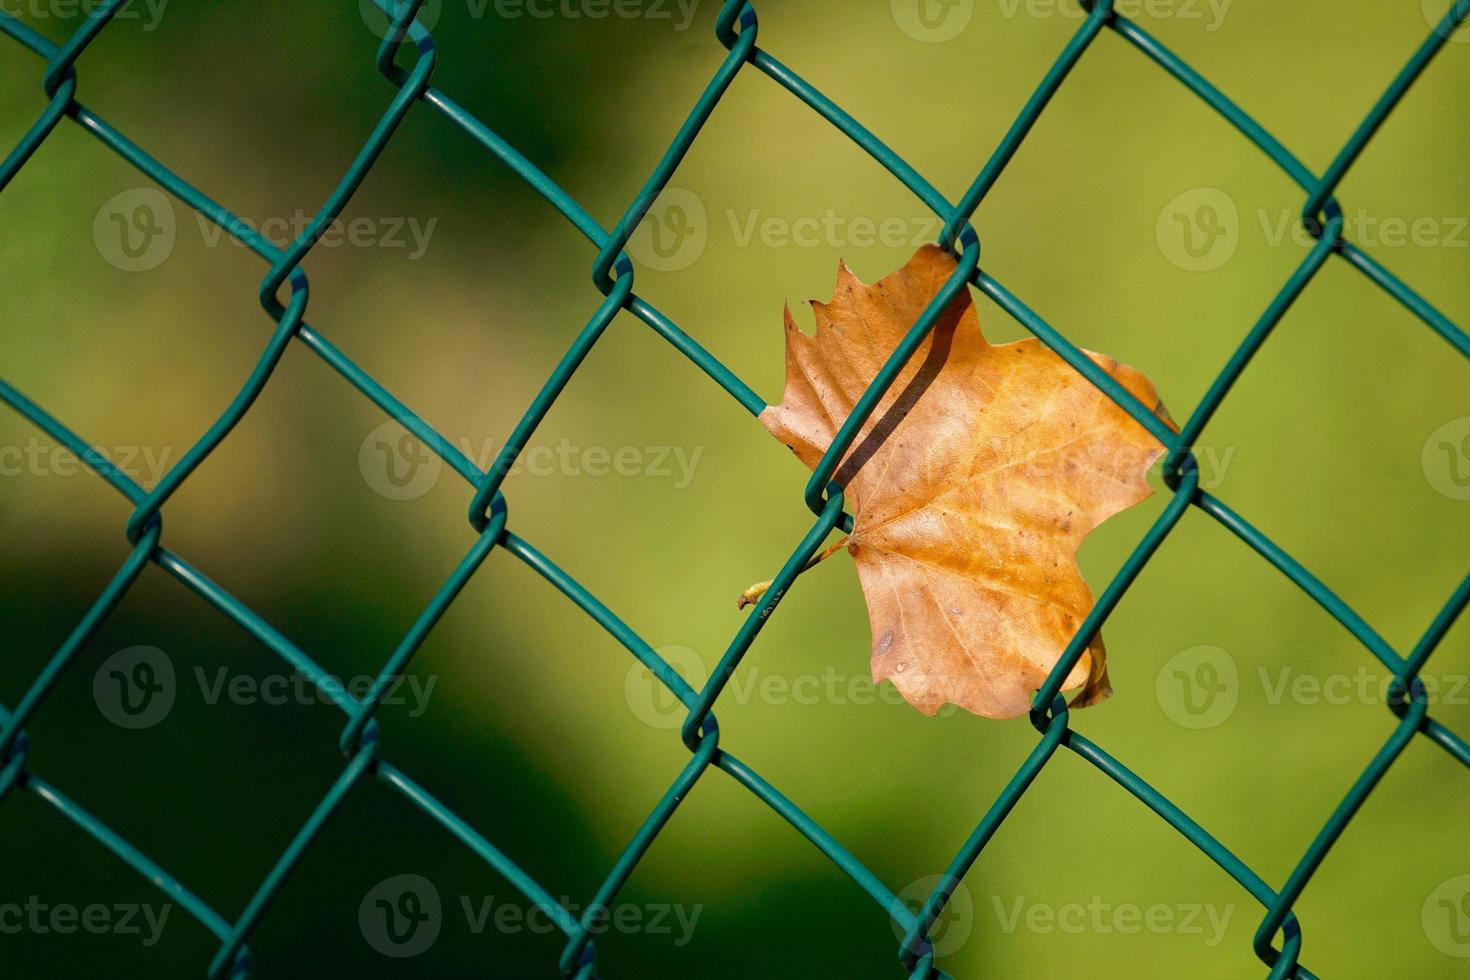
<point>1278,939</point>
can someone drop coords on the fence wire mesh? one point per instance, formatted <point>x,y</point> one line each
<point>1277,940</point>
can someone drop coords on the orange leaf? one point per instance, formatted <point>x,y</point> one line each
<point>971,487</point>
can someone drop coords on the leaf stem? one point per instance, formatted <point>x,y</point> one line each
<point>753,594</point>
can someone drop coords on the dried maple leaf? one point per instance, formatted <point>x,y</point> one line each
<point>971,487</point>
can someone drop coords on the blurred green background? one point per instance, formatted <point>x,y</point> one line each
<point>539,729</point>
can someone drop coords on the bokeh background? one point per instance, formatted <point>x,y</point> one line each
<point>539,729</point>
